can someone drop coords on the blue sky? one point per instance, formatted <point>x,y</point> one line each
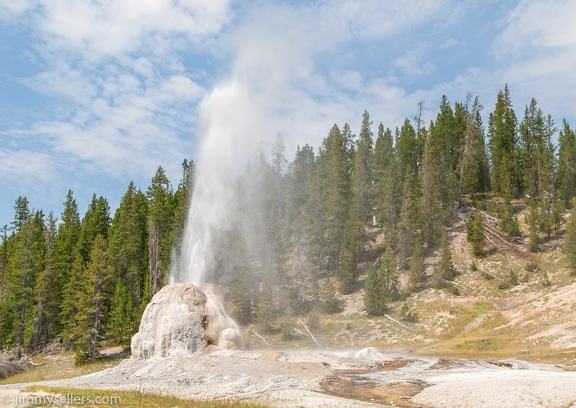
<point>94,94</point>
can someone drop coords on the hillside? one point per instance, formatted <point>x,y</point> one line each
<point>533,318</point>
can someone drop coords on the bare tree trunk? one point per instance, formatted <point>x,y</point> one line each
<point>154,256</point>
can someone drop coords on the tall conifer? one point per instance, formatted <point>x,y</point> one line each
<point>503,144</point>
<point>567,164</point>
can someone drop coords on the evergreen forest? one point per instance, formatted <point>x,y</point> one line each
<point>302,231</point>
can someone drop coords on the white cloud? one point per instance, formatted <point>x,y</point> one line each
<point>125,102</point>
<point>536,52</point>
<point>26,166</point>
<point>10,8</point>
<point>538,25</point>
<point>349,79</point>
<point>412,65</point>
<point>113,28</point>
<point>63,81</point>
<point>374,18</point>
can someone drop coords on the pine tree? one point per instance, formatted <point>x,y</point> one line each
<point>439,180</point>
<point>381,285</point>
<point>538,160</point>
<point>445,270</point>
<point>299,185</point>
<point>509,220</point>
<point>47,301</point>
<point>22,213</point>
<point>128,243</point>
<point>362,201</point>
<point>374,293</point>
<point>182,198</point>
<point>70,300</point>
<point>407,143</point>
<point>243,290</point>
<point>570,244</point>
<point>474,176</point>
<point>95,223</point>
<point>67,239</point>
<point>409,223</point>
<point>475,233</point>
<point>347,267</point>
<point>531,139</point>
<point>275,211</point>
<point>503,144</point>
<point>121,325</point>
<point>438,188</point>
<point>4,244</point>
<point>92,295</point>
<point>386,187</point>
<point>432,180</point>
<point>6,315</point>
<point>330,303</point>
<point>160,225</point>
<point>329,209</point>
<point>417,269</point>
<point>456,130</point>
<point>567,164</point>
<point>25,262</point>
<point>267,311</point>
<point>547,177</point>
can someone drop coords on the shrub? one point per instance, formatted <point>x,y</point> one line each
<point>11,365</point>
<point>546,280</point>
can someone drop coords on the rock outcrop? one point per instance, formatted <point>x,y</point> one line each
<point>181,320</point>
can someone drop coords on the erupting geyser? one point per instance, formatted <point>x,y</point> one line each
<point>180,320</point>
<point>235,119</point>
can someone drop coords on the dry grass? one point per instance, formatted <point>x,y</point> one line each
<point>101,398</point>
<point>59,366</point>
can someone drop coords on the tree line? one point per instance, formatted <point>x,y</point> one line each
<point>301,231</point>
<point>82,280</point>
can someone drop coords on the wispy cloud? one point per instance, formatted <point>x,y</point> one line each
<point>535,52</point>
<point>27,166</point>
<point>124,100</point>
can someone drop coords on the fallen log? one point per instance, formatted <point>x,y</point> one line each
<point>310,333</point>
<point>260,337</point>
<point>396,321</point>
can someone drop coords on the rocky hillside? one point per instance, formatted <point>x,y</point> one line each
<point>511,303</point>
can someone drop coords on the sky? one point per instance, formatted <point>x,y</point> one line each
<point>95,94</point>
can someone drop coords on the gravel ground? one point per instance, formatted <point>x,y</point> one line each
<point>338,378</point>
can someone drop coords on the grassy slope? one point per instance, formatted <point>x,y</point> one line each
<point>529,320</point>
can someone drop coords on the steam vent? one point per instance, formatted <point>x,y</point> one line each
<point>180,320</point>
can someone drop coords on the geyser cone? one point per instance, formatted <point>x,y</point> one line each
<point>182,319</point>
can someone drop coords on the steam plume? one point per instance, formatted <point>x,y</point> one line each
<point>271,89</point>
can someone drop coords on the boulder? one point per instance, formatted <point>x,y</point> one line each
<point>181,320</point>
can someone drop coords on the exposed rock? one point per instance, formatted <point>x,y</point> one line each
<point>222,332</point>
<point>370,353</point>
<point>181,320</point>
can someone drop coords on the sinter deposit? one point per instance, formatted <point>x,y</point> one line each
<point>180,320</point>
